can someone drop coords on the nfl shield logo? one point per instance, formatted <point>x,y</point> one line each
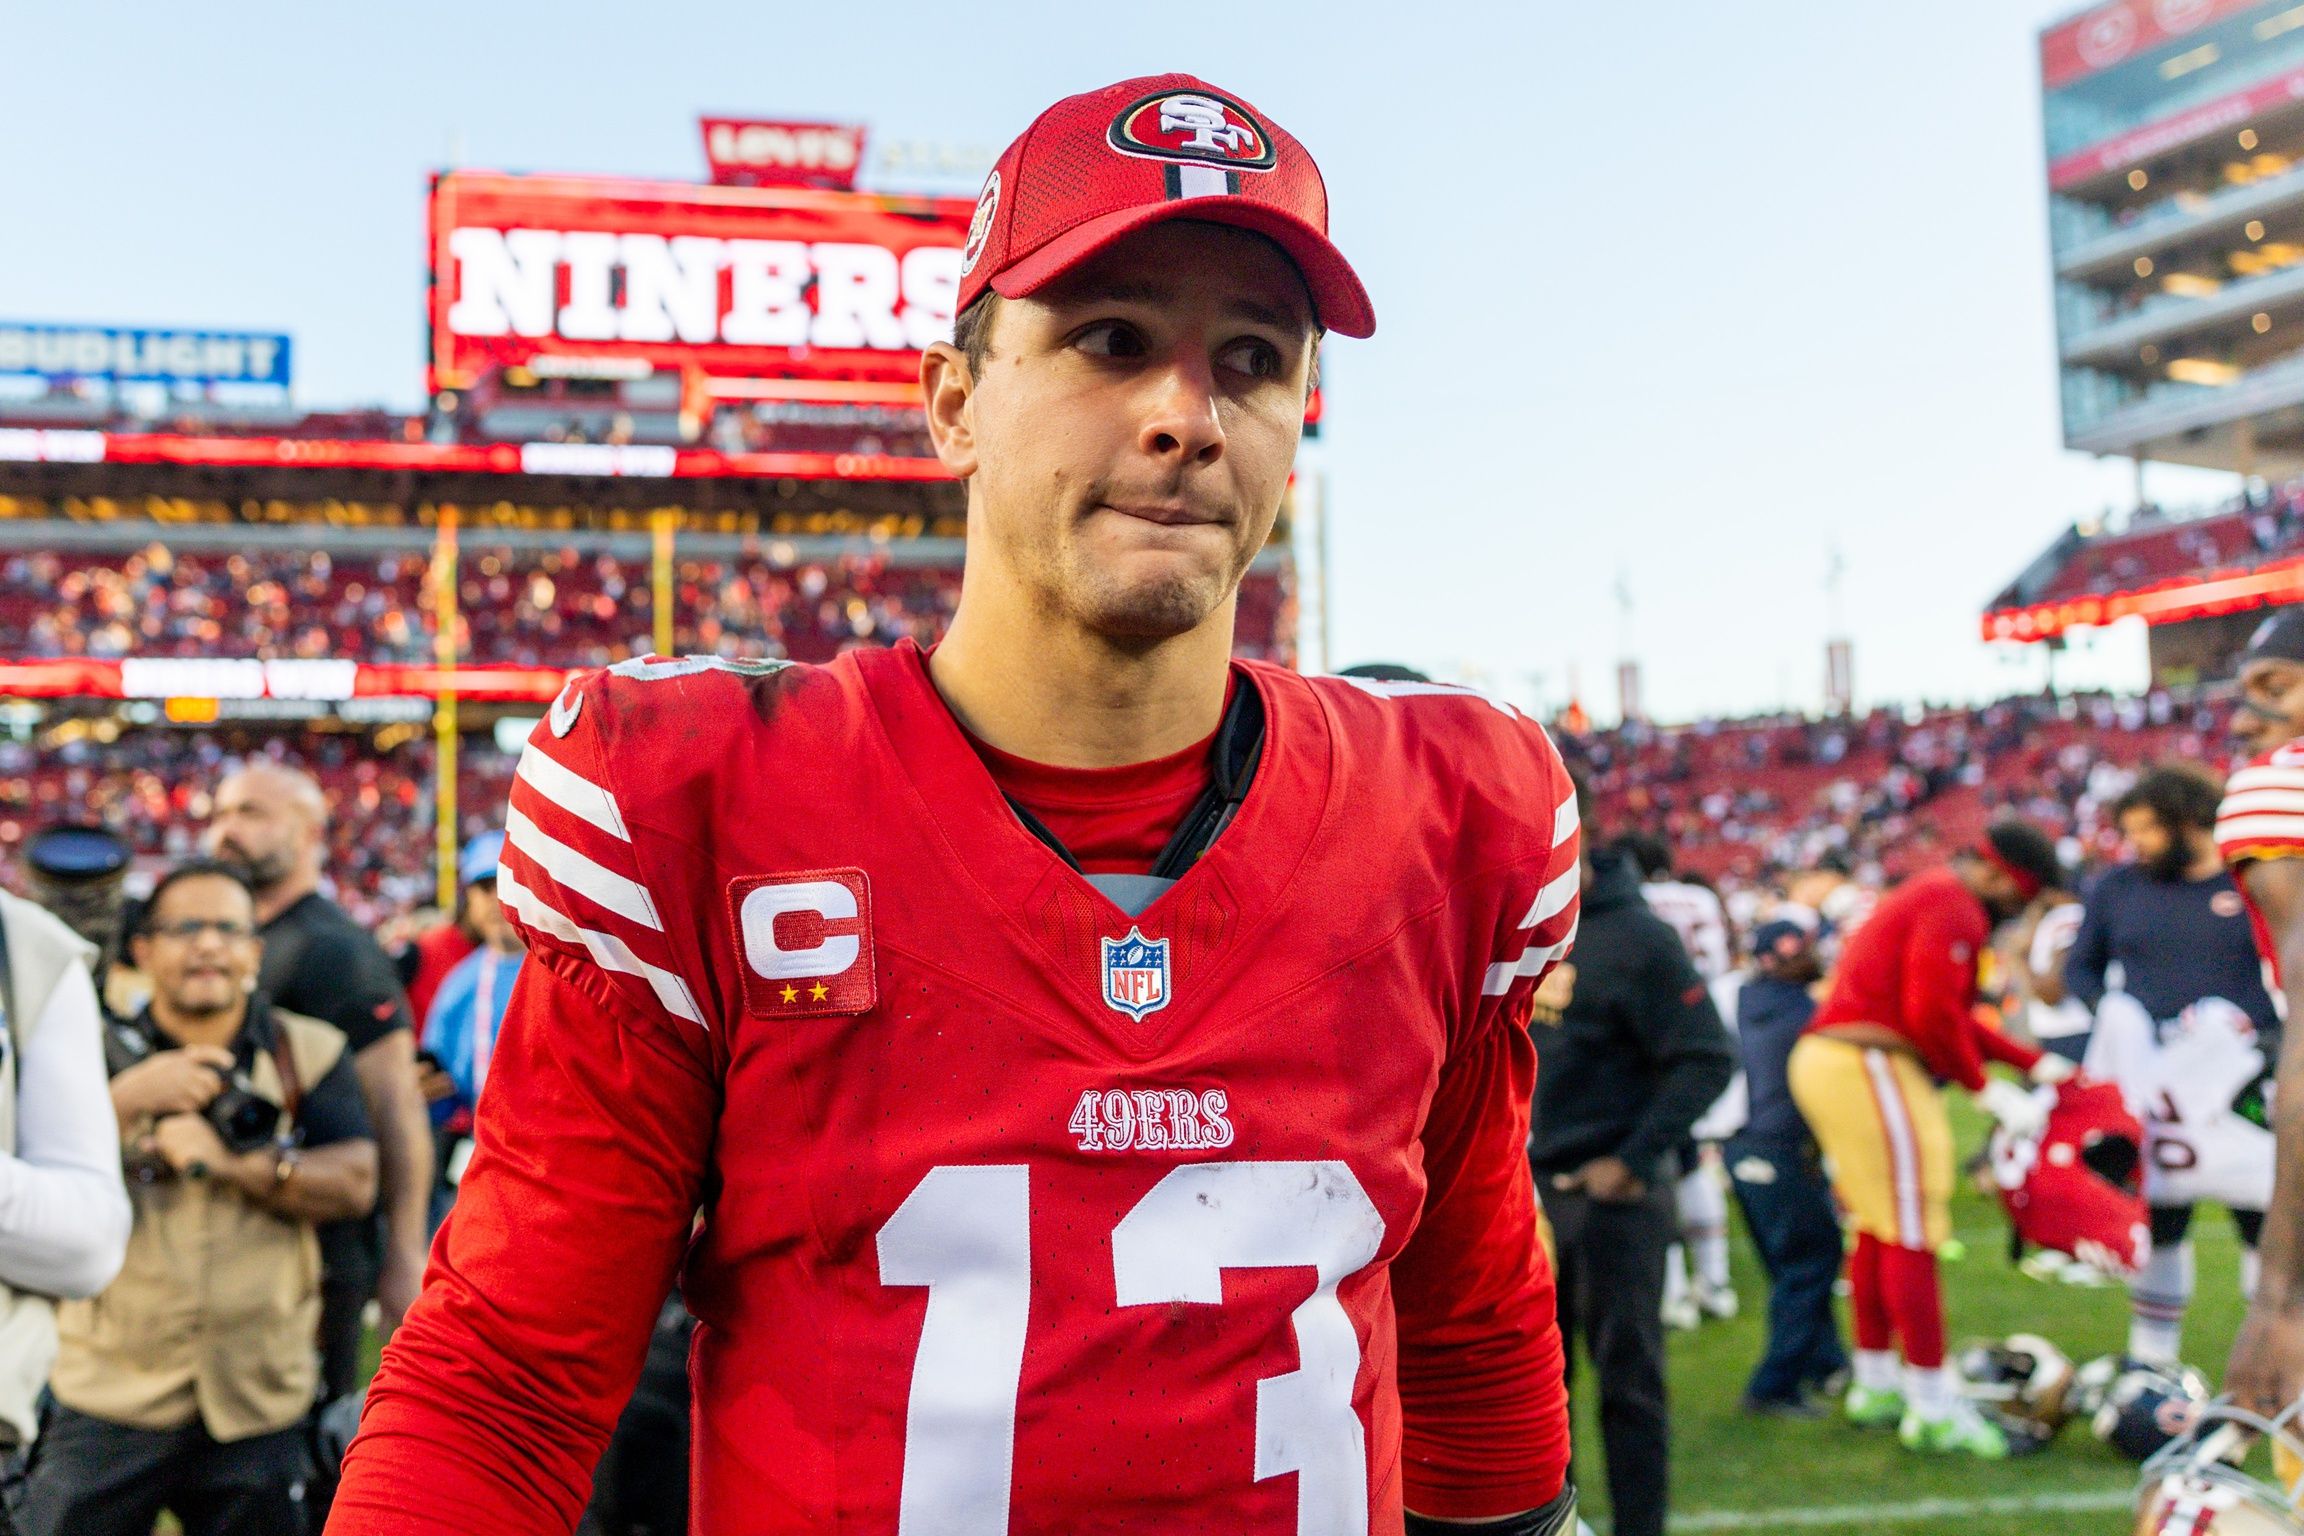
<point>1136,974</point>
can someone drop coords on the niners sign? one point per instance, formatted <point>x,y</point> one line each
<point>724,281</point>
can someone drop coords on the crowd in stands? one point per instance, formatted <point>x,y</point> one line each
<point>560,607</point>
<point>1880,795</point>
<point>153,788</point>
<point>2152,546</point>
<point>1887,793</point>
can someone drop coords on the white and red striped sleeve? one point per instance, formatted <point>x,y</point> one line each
<point>573,879</point>
<point>1545,930</point>
<point>2263,812</point>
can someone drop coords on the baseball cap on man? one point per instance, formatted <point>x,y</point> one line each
<point>1101,165</point>
<point>479,859</point>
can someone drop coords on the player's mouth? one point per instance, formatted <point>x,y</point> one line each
<point>1167,514</point>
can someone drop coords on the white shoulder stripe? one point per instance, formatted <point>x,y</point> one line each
<point>2256,802</point>
<point>2254,828</point>
<point>1565,821</point>
<point>1554,898</point>
<point>611,952</point>
<point>2265,776</point>
<point>624,897</point>
<point>571,791</point>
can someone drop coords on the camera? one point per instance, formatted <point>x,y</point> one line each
<point>244,1119</point>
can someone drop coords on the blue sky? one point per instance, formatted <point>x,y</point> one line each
<point>1682,296</point>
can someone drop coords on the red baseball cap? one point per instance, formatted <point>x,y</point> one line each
<point>1098,166</point>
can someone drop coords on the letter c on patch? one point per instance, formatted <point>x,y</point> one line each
<point>830,956</point>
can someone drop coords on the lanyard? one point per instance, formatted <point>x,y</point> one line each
<point>483,1020</point>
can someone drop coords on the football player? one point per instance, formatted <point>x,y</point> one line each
<point>1900,1017</point>
<point>1101,1066</point>
<point>2261,830</point>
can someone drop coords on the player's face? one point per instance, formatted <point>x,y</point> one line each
<point>2271,704</point>
<point>1133,431</point>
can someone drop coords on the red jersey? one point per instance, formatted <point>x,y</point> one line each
<point>1020,1214</point>
<point>1912,968</point>
<point>2263,818</point>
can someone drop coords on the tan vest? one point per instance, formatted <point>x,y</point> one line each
<point>40,950</point>
<point>213,1315</point>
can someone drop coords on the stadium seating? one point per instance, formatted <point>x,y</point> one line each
<point>1889,792</point>
<point>153,787</point>
<point>561,607</point>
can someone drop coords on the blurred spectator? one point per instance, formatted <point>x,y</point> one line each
<point>460,1031</point>
<point>1633,1056</point>
<point>78,872</point>
<point>268,824</point>
<point>185,1385</point>
<point>64,1215</point>
<point>1779,1177</point>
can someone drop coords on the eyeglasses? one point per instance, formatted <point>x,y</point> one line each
<point>189,930</point>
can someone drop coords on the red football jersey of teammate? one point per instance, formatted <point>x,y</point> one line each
<point>1912,968</point>
<point>2262,817</point>
<point>1020,1214</point>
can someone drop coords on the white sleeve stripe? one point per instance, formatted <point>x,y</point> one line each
<point>571,791</point>
<point>1564,821</point>
<point>2265,776</point>
<point>1532,961</point>
<point>609,951</point>
<point>2259,802</point>
<point>2251,828</point>
<point>1554,898</point>
<point>625,898</point>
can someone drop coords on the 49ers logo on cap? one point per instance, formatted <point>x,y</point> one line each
<point>1194,126</point>
<point>980,227</point>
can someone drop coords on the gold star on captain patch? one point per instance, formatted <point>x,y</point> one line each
<point>819,992</point>
<point>791,994</point>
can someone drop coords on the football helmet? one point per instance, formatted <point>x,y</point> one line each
<point>2077,1187</point>
<point>2150,1407</point>
<point>2196,1487</point>
<point>2023,1384</point>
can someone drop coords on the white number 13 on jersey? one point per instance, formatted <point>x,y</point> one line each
<point>965,1233</point>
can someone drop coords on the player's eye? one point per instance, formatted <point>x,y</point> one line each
<point>1111,338</point>
<point>1253,356</point>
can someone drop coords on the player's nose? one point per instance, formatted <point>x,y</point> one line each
<point>1181,424</point>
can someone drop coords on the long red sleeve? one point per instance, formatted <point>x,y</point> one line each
<point>499,1391</point>
<point>1483,1394</point>
<point>1939,988</point>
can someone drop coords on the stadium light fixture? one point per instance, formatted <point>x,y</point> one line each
<point>2255,229</point>
<point>2143,266</point>
<point>2272,26</point>
<point>2202,370</point>
<point>2189,61</point>
<point>2137,180</point>
<point>2260,323</point>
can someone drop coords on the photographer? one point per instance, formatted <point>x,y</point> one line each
<point>185,1385</point>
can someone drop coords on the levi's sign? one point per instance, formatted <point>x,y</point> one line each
<point>748,153</point>
<point>723,281</point>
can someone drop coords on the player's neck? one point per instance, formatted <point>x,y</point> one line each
<point>1051,693</point>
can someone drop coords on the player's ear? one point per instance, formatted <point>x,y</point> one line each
<point>947,388</point>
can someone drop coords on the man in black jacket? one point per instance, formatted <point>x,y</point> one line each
<point>1631,1052</point>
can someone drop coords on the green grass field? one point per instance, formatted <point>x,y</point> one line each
<point>1733,1473</point>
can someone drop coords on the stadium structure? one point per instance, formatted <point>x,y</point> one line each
<point>2175,166</point>
<point>668,417</point>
